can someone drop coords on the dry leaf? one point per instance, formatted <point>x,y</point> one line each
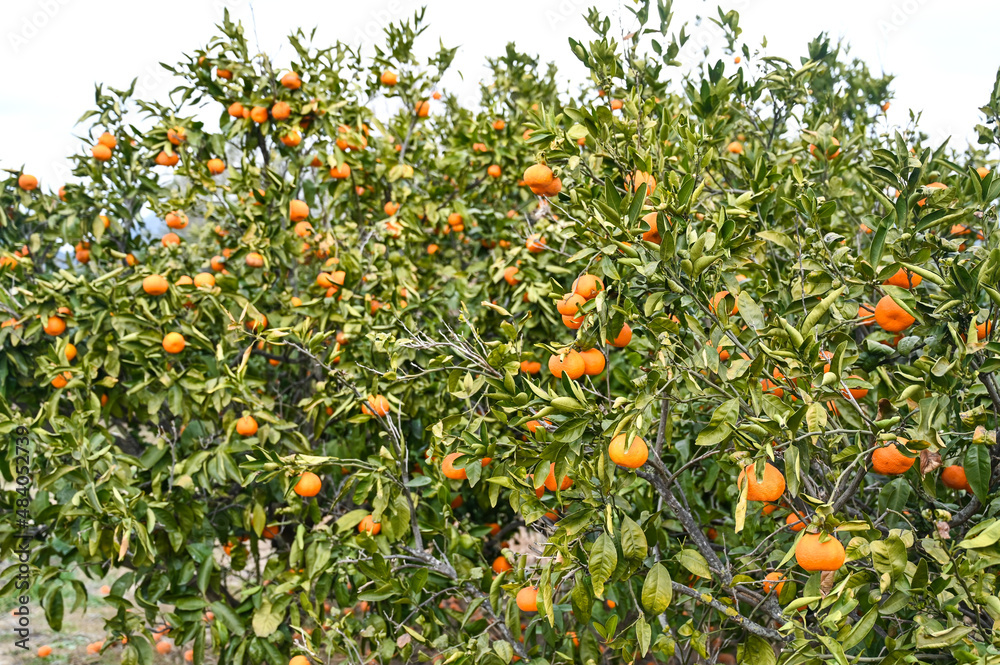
<point>944,530</point>
<point>929,461</point>
<point>826,581</point>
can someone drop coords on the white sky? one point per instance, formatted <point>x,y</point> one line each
<point>944,54</point>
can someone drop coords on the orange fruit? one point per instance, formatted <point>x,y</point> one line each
<point>573,322</point>
<point>155,285</point>
<point>889,461</point>
<point>27,182</point>
<point>527,599</point>
<point>166,159</point>
<point>163,647</point>
<point>551,189</point>
<point>588,286</point>
<point>54,326</point>
<point>298,660</point>
<point>550,480</point>
<point>499,124</point>
<point>298,210</point>
<point>236,110</point>
<point>369,525</point>
<point>538,175</point>
<point>535,243</point>
<point>44,651</point>
<point>101,153</point>
<point>70,351</point>
<point>891,317</point>
<point>634,457</point>
<point>258,114</point>
<point>432,248</point>
<point>638,178</point>
<point>570,304</point>
<point>933,185</point>
<point>291,81</point>
<point>856,393</point>
<point>105,590</point>
<point>189,656</point>
<point>833,141</point>
<point>61,380</point>
<point>184,280</point>
<point>270,531</point>
<point>390,208</point>
<point>500,564</point>
<point>795,523</point>
<point>774,582</point>
<point>309,484</point>
<point>254,260</point>
<point>983,330</point>
<point>983,171</point>
<point>449,470</point>
<point>533,425</point>
<point>389,78</point>
<point>954,478</point>
<point>303,229</point>
<point>377,405</point>
<point>340,172</point>
<point>813,555</point>
<point>176,135</point>
<point>769,489</point>
<point>246,425</point>
<point>291,139</point>
<point>173,343</point>
<point>718,297</point>
<point>652,234</point>
<point>510,275</point>
<point>494,171</point>
<point>531,367</point>
<point>216,166</point>
<point>422,108</point>
<point>170,239</point>
<point>569,361</point>
<point>623,338</point>
<point>593,362</point>
<point>108,140</point>
<point>204,279</point>
<point>905,279</point>
<point>866,313</point>
<point>735,148</point>
<point>616,104</point>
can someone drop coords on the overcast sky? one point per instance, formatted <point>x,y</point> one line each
<point>944,54</point>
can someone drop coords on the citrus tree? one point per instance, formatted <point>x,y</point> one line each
<point>694,363</point>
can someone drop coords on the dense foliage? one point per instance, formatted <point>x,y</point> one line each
<point>383,301</point>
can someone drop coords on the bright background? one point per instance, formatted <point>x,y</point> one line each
<point>944,54</point>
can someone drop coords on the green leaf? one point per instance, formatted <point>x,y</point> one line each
<point>861,629</point>
<point>984,537</point>
<point>603,561</point>
<point>694,562</point>
<point>756,651</point>
<point>978,471</point>
<point>633,539</point>
<point>889,556</point>
<point>750,310</point>
<point>657,590</point>
<point>643,634</point>
<point>266,619</point>
<point>582,600</point>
